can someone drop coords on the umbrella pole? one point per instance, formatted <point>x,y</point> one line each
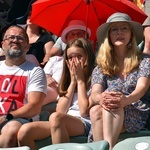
<point>87,15</point>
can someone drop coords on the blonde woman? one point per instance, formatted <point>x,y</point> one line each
<point>120,81</point>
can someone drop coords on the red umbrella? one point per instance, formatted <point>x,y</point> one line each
<point>54,15</point>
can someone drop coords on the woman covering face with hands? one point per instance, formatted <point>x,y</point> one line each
<point>75,63</point>
<point>74,103</point>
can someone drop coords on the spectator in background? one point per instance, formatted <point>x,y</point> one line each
<point>68,34</point>
<point>146,26</point>
<point>139,3</point>
<point>10,10</point>
<point>23,86</point>
<point>40,40</point>
<point>53,70</point>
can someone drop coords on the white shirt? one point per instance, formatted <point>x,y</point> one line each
<point>54,67</point>
<point>60,44</point>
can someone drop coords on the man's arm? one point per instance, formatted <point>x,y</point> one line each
<point>32,108</point>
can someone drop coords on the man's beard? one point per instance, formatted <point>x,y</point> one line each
<point>13,53</point>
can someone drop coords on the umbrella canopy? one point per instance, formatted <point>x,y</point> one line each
<point>54,15</point>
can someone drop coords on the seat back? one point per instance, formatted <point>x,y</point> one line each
<point>138,143</point>
<point>16,148</point>
<point>100,145</point>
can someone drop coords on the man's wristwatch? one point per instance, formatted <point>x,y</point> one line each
<point>9,117</point>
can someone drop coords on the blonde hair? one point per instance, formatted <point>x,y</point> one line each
<point>106,57</point>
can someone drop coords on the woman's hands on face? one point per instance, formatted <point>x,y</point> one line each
<point>76,68</point>
<point>79,64</point>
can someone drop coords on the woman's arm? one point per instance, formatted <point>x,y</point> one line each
<point>97,89</point>
<point>47,49</point>
<point>84,102</point>
<point>65,101</point>
<point>142,86</point>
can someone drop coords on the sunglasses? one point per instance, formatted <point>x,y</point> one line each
<point>13,37</point>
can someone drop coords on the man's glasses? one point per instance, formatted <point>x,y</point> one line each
<point>13,37</point>
<point>78,34</point>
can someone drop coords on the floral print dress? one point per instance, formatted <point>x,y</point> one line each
<point>137,113</point>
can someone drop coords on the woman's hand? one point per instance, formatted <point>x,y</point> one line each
<point>111,100</point>
<point>79,73</point>
<point>72,70</point>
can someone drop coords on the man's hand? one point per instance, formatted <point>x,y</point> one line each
<point>51,81</point>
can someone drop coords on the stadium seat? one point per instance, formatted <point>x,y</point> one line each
<point>138,143</point>
<point>100,145</point>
